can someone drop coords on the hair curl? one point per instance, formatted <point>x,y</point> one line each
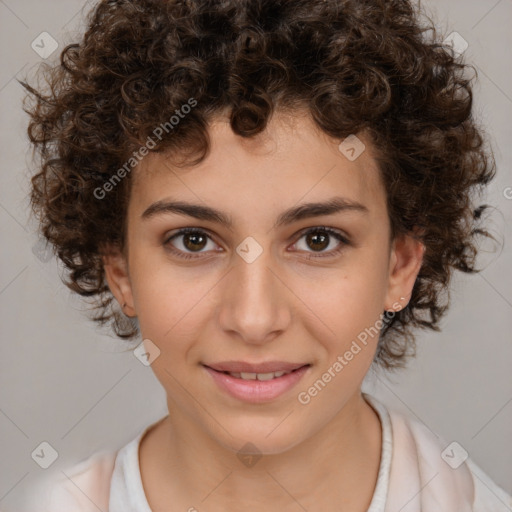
<point>353,64</point>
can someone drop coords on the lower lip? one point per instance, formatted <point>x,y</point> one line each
<point>256,391</point>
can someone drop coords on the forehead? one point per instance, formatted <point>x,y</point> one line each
<point>292,161</point>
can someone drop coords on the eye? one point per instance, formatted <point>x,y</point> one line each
<point>191,239</point>
<point>319,238</point>
<point>188,241</point>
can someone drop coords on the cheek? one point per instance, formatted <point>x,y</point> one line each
<point>346,323</point>
<point>343,304</point>
<point>171,301</point>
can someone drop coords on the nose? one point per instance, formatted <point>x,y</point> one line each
<point>255,304</point>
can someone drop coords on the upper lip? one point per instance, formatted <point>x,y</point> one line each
<point>265,367</point>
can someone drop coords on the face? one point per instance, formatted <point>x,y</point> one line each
<point>265,282</point>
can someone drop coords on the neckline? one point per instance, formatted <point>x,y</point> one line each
<point>380,492</point>
<point>128,466</point>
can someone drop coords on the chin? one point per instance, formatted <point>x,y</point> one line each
<point>266,438</point>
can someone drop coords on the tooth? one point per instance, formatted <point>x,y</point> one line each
<point>279,374</point>
<point>265,376</point>
<point>248,376</point>
<point>234,374</point>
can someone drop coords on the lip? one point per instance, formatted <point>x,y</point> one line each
<point>256,391</point>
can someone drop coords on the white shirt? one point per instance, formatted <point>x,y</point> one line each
<point>412,476</point>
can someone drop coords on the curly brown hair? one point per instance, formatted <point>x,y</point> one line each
<point>355,65</point>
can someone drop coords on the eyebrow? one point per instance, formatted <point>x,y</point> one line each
<point>207,213</point>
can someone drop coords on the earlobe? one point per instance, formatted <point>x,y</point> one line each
<point>405,263</point>
<point>118,279</point>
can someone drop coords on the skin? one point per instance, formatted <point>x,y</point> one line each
<point>283,306</point>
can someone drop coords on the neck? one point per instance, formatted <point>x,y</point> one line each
<point>335,465</point>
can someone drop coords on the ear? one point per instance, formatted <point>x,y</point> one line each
<point>405,262</point>
<point>118,279</point>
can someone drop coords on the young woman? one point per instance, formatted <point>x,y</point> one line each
<point>275,193</point>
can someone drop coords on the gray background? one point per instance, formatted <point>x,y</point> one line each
<point>64,382</point>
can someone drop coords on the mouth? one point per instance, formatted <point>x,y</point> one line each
<point>256,383</point>
<point>258,368</point>
<point>259,376</point>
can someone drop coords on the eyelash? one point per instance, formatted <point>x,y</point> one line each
<point>334,252</point>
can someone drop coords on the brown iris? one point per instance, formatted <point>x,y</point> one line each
<point>318,241</point>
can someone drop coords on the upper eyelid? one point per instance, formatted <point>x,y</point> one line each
<point>340,232</point>
<point>185,231</point>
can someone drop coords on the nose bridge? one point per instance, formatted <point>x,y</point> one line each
<point>253,304</point>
